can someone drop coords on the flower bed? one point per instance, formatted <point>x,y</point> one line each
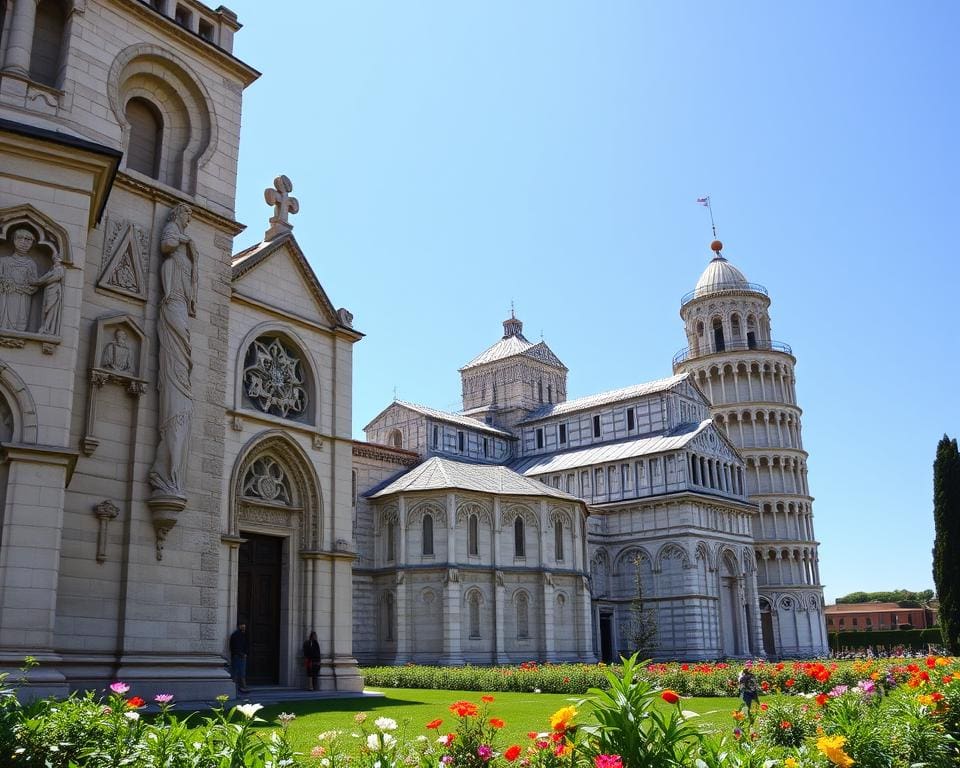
<point>894,716</point>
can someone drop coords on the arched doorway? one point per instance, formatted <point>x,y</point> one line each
<point>731,607</point>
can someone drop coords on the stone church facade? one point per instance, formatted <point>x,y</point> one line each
<point>175,424</point>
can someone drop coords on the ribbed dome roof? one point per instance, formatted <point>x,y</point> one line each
<point>720,275</point>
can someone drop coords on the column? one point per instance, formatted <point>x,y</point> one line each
<point>452,621</point>
<point>549,646</point>
<point>499,590</point>
<point>30,560</point>
<point>402,611</point>
<point>20,42</point>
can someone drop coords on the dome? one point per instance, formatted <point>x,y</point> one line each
<point>720,275</point>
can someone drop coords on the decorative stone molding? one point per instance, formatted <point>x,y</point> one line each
<point>105,511</point>
<point>273,379</point>
<point>382,453</point>
<point>119,356</point>
<point>126,260</point>
<point>266,480</point>
<point>416,513</point>
<point>165,510</point>
<point>468,508</point>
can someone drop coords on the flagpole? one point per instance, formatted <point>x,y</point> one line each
<point>706,202</point>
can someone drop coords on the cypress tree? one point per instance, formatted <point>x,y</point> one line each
<point>946,543</point>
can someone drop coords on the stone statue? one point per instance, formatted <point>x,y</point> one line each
<point>116,354</point>
<point>179,280</point>
<point>52,282</point>
<point>18,280</point>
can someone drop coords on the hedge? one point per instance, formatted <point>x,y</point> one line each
<point>918,639</point>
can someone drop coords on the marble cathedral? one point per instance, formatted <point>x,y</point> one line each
<point>175,422</point>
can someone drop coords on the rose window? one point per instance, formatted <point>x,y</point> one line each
<point>273,379</point>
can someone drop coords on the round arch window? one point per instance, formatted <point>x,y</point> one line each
<point>275,379</point>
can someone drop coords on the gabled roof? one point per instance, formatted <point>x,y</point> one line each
<point>450,418</point>
<point>250,258</point>
<point>438,473</point>
<point>673,440</point>
<point>605,398</point>
<point>516,345</point>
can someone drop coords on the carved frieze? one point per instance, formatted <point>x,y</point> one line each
<point>266,480</point>
<point>273,379</point>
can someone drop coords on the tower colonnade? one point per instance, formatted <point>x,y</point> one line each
<point>750,382</point>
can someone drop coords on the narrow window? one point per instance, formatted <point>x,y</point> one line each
<point>598,481</point>
<point>182,16</point>
<point>206,30</point>
<point>718,345</point>
<point>631,420</point>
<point>540,437</point>
<point>558,541</point>
<point>146,137</point>
<point>519,545</point>
<point>562,434</point>
<point>396,439</point>
<point>428,534</point>
<point>571,482</point>
<point>540,390</point>
<point>486,447</point>
<point>473,536</point>
<point>354,488</point>
<point>460,441</point>
<point>523,616</point>
<point>596,426</point>
<point>388,616</point>
<point>436,438</point>
<point>474,616</point>
<point>48,29</point>
<point>391,542</point>
<point>549,393</point>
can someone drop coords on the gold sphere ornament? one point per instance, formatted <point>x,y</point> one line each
<point>716,246</point>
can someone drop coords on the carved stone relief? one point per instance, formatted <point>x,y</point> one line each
<point>126,260</point>
<point>119,355</point>
<point>266,480</point>
<point>33,259</point>
<point>273,379</point>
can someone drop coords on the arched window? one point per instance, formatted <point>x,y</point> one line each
<point>474,603</point>
<point>718,345</point>
<point>388,617</point>
<point>146,137</point>
<point>276,379</point>
<point>45,54</point>
<point>519,545</point>
<point>391,543</point>
<point>751,332</point>
<point>436,438</point>
<point>473,536</point>
<point>427,534</point>
<point>395,440</point>
<point>735,326</point>
<point>558,540</point>
<point>523,616</point>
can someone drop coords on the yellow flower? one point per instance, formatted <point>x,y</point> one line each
<point>791,762</point>
<point>560,718</point>
<point>925,699</point>
<point>832,748</point>
<point>942,662</point>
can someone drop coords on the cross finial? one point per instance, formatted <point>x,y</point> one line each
<point>283,205</point>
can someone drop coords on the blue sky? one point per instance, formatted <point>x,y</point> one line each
<point>450,157</point>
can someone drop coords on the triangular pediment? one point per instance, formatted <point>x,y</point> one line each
<point>713,442</point>
<point>276,273</point>
<point>126,251</point>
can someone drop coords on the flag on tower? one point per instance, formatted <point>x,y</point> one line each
<point>704,201</point>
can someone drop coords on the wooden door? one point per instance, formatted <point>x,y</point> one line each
<point>258,602</point>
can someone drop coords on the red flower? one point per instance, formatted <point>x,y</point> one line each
<point>434,724</point>
<point>765,685</point>
<point>789,683</point>
<point>669,696</point>
<point>511,753</point>
<point>822,699</point>
<point>532,734</point>
<point>931,662</point>
<point>763,707</point>
<point>463,709</point>
<point>785,724</point>
<point>487,699</point>
<point>496,722</point>
<point>135,701</point>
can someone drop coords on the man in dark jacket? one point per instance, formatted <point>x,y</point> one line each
<point>239,647</point>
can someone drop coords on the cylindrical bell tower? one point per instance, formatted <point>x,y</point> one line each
<point>749,379</point>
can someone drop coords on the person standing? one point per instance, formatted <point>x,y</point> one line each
<point>239,647</point>
<point>311,659</point>
<point>749,691</point>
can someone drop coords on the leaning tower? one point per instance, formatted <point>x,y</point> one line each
<point>749,380</point>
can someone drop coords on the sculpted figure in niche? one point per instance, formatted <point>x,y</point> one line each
<point>18,280</point>
<point>116,354</point>
<point>52,282</point>
<point>179,279</point>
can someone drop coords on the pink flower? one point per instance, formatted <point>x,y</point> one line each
<point>120,688</point>
<point>163,698</point>
<point>607,761</point>
<point>484,752</point>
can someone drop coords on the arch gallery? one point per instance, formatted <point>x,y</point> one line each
<point>175,422</point>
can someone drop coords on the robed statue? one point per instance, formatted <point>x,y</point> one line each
<point>178,285</point>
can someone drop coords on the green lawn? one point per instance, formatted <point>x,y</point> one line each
<point>412,708</point>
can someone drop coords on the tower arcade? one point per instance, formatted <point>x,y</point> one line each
<point>749,380</point>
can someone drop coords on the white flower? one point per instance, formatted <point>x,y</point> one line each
<point>421,737</point>
<point>249,710</point>
<point>134,716</point>
<point>385,723</point>
<point>445,740</point>
<point>325,762</point>
<point>536,690</point>
<point>373,741</point>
